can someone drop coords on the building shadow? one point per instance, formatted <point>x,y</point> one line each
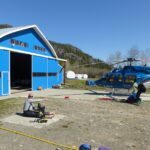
<point>20,114</point>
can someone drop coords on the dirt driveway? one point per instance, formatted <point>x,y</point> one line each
<point>111,124</point>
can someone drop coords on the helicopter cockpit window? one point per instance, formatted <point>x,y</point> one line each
<point>111,78</point>
<point>128,69</point>
<point>130,79</point>
<point>119,78</point>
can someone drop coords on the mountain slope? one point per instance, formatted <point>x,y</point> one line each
<point>2,26</point>
<point>74,55</point>
<point>79,61</point>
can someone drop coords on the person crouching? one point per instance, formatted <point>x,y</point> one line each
<point>134,98</point>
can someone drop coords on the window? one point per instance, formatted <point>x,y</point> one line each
<point>130,79</point>
<point>52,74</point>
<point>39,74</point>
<point>111,78</point>
<point>39,48</point>
<point>119,78</point>
<point>19,43</point>
<point>43,74</point>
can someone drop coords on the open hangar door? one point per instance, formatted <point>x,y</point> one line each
<point>20,71</point>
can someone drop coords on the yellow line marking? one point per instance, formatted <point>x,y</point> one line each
<point>40,139</point>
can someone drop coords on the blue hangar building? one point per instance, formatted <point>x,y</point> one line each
<point>27,60</point>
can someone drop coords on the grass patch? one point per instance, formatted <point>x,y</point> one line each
<point>80,84</point>
<point>11,105</point>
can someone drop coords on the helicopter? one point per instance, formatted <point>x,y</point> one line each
<point>124,78</point>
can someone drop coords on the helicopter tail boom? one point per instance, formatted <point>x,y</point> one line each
<point>90,83</point>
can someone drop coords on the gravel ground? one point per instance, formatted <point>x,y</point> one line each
<point>89,120</point>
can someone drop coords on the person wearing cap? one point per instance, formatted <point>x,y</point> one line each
<point>30,110</point>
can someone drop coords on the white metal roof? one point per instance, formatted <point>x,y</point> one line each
<point>7,31</point>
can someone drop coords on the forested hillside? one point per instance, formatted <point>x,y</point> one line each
<point>79,61</point>
<point>2,26</point>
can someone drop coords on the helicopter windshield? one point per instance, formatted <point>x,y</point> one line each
<point>116,70</point>
<point>142,69</point>
<point>147,70</point>
<point>128,68</point>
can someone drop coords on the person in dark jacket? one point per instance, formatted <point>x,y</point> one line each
<point>135,97</point>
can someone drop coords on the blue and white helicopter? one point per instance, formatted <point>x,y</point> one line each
<point>124,78</point>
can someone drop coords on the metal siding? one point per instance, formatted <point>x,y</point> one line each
<point>4,67</point>
<point>5,78</point>
<point>52,68</point>
<point>0,84</point>
<point>57,71</point>
<point>58,77</point>
<point>39,65</point>
<point>4,60</point>
<point>29,36</point>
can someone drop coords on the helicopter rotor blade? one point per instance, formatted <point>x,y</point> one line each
<point>126,60</point>
<point>119,62</point>
<point>137,60</point>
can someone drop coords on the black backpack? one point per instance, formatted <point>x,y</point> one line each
<point>141,88</point>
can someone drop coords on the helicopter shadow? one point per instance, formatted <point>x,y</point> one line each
<point>109,94</point>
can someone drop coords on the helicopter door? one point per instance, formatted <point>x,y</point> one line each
<point>119,80</point>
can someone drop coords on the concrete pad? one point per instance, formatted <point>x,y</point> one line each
<point>30,122</point>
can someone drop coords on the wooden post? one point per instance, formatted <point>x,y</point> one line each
<point>64,72</point>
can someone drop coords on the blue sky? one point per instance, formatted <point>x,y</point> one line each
<point>98,27</point>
